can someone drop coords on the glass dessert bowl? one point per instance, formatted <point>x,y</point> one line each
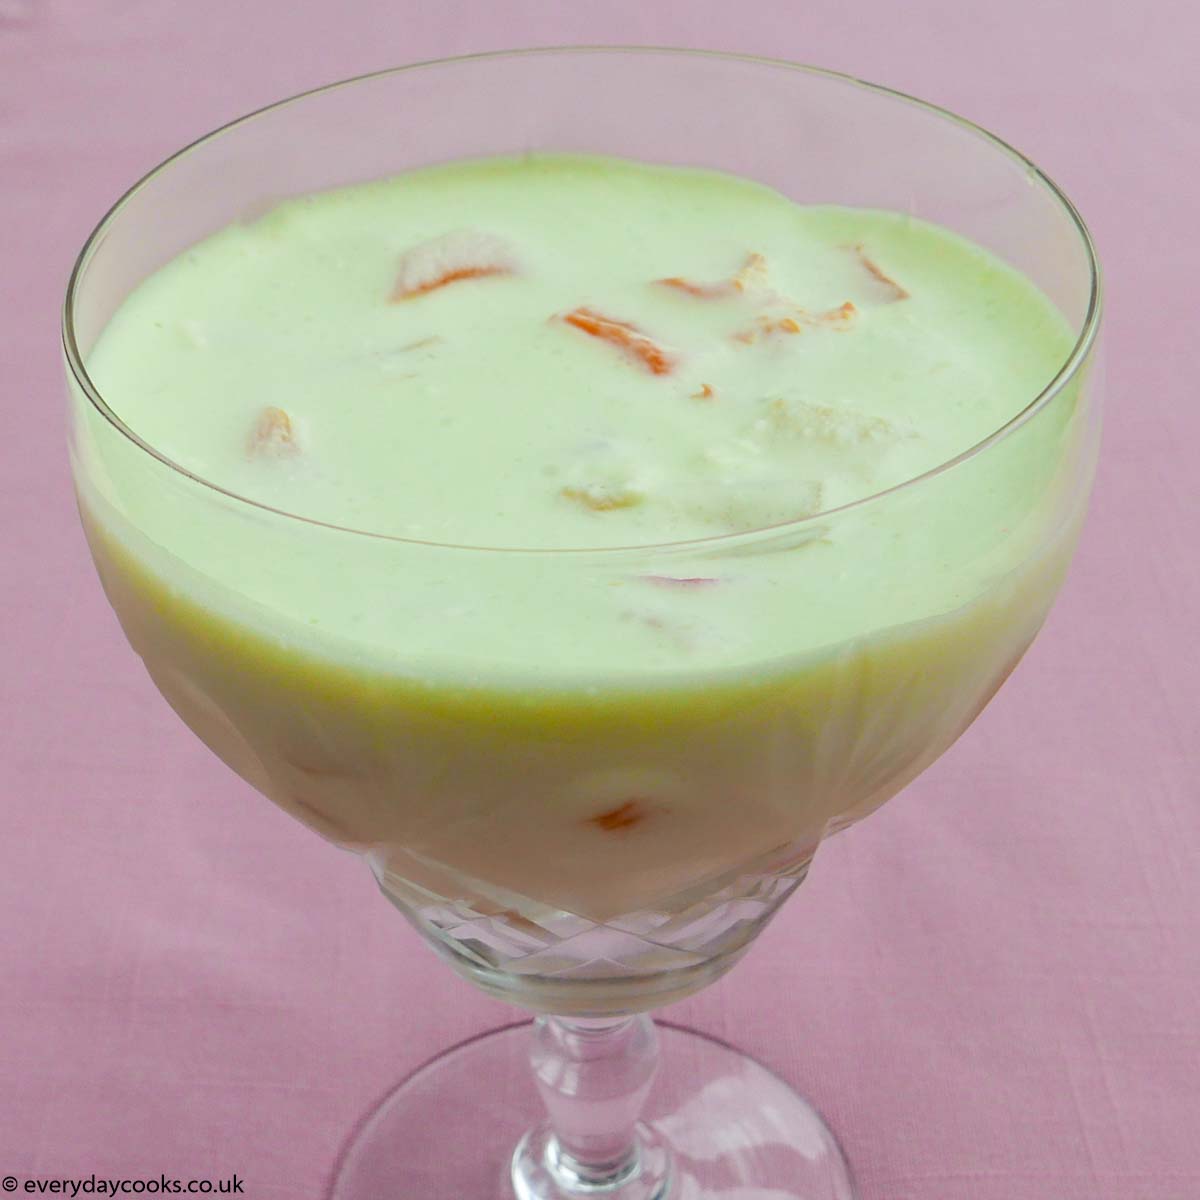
<point>585,804</point>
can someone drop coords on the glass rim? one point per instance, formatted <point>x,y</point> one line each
<point>1068,370</point>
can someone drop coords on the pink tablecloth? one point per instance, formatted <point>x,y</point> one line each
<point>992,988</point>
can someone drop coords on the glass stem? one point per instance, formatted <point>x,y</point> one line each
<point>593,1076</point>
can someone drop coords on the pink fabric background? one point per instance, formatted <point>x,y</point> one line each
<point>992,988</point>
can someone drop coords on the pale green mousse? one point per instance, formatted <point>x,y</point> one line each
<point>476,414</point>
<point>531,647</point>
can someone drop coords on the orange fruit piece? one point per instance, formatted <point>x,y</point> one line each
<point>273,435</point>
<point>464,254</point>
<point>625,337</point>
<point>624,816</point>
<point>898,291</point>
<point>600,499</point>
<point>752,270</point>
<point>834,318</point>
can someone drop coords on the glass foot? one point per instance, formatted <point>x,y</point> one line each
<point>470,1126</point>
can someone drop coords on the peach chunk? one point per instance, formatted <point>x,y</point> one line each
<point>624,816</point>
<point>603,499</point>
<point>273,435</point>
<point>464,254</point>
<point>797,321</point>
<point>625,336</point>
<point>896,290</point>
<point>753,271</point>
